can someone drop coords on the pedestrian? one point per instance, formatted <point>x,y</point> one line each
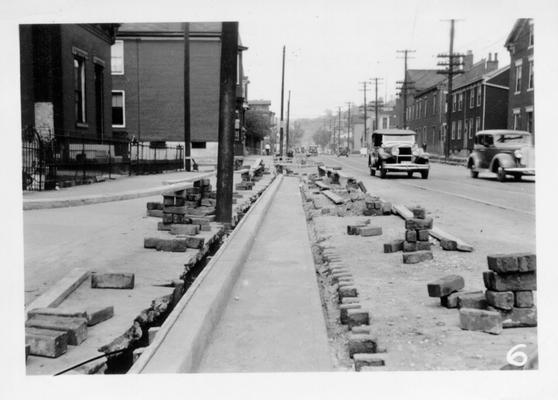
<point>267,149</point>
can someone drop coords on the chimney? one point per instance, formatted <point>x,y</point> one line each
<point>492,65</point>
<point>468,61</point>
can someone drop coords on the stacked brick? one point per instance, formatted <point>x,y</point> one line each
<point>510,284</point>
<point>416,245</point>
<point>374,206</point>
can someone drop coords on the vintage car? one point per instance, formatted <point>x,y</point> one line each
<point>343,151</point>
<point>395,150</point>
<point>503,152</point>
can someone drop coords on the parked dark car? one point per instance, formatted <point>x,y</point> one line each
<point>343,151</point>
<point>395,150</point>
<point>503,152</point>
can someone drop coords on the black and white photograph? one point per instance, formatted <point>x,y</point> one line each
<point>310,199</point>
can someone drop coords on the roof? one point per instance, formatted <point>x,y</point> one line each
<point>518,27</point>
<point>395,132</point>
<point>170,28</point>
<point>260,102</point>
<point>476,73</point>
<point>502,132</point>
<point>424,78</point>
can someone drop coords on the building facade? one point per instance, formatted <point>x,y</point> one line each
<point>66,80</point>
<point>520,44</point>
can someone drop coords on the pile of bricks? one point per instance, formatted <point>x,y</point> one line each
<point>416,246</point>
<point>364,229</point>
<point>374,206</point>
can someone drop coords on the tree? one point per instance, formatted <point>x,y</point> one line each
<point>258,125</point>
<point>295,134</point>
<point>321,137</point>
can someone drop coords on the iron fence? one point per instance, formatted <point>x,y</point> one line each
<point>58,160</point>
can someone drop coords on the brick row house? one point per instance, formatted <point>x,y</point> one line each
<point>148,85</point>
<point>520,44</point>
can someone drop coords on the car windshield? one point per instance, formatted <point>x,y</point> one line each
<point>512,139</point>
<point>410,139</point>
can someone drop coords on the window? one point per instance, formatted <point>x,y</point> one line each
<point>117,58</point>
<point>453,130</point>
<point>118,113</point>
<point>425,107</point>
<point>79,90</point>
<point>529,127</point>
<point>518,73</point>
<point>434,105</point>
<point>471,128</point>
<point>531,35</point>
<point>472,98</point>
<point>466,128</point>
<point>198,145</point>
<point>453,101</point>
<point>479,95</point>
<point>516,120</point>
<point>460,101</point>
<point>531,72</point>
<point>477,124</point>
<point>459,127</point>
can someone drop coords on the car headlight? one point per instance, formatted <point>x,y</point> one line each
<point>395,150</point>
<point>517,154</point>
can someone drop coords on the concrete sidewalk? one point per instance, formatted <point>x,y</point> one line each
<point>274,320</point>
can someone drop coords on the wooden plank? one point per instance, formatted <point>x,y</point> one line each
<point>333,197</point>
<point>322,185</point>
<point>60,290</point>
<point>435,232</point>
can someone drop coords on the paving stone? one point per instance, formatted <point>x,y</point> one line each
<point>450,245</point>
<point>417,256</point>
<point>345,281</point>
<point>510,282</point>
<point>449,301</point>
<point>409,246</point>
<point>46,342</point>
<point>411,235</point>
<point>112,280</point>
<point>184,229</point>
<point>172,245</point>
<point>524,299</point>
<point>417,223</point>
<point>472,299</point>
<point>203,220</point>
<point>167,218</point>
<point>347,291</point>
<point>163,227</point>
<point>501,300</point>
<point>205,228</point>
<point>155,213</point>
<point>361,329</point>
<point>519,317</point>
<point>367,360</point>
<point>386,208</point>
<point>356,317</point>
<point>423,246</point>
<point>96,315</point>
<point>423,235</point>
<point>168,201</point>
<point>418,212</point>
<point>526,262</point>
<point>343,308</point>
<point>513,262</point>
<point>354,229</point>
<point>480,320</point>
<point>445,286</point>
<point>370,231</point>
<point>350,300</point>
<point>154,205</point>
<point>175,210</point>
<point>361,343</point>
<point>76,328</point>
<point>393,246</point>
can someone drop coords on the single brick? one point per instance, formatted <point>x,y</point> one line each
<point>419,212</point>
<point>519,317</point>
<point>112,280</point>
<point>184,229</point>
<point>445,286</point>
<point>163,227</point>
<point>350,300</point>
<point>76,328</point>
<point>343,308</point>
<point>361,186</point>
<point>417,223</point>
<point>168,201</point>
<point>46,342</point>
<point>354,229</point>
<point>367,360</point>
<point>154,205</point>
<point>501,300</point>
<point>423,235</point>
<point>205,228</point>
<point>155,213</point>
<point>361,329</point>
<point>423,246</point>
<point>417,256</point>
<point>449,301</point>
<point>179,201</point>
<point>346,281</point>
<point>409,246</point>
<point>370,230</point>
<point>361,343</point>
<point>173,245</point>
<point>480,320</point>
<point>347,291</point>
<point>510,282</point>
<point>393,246</point>
<point>177,218</point>
<point>411,235</point>
<point>175,210</point>
<point>526,262</point>
<point>377,205</point>
<point>524,299</point>
<point>502,263</point>
<point>167,218</point>
<point>356,317</point>
<point>473,299</point>
<point>450,245</point>
<point>99,314</point>
<point>386,208</point>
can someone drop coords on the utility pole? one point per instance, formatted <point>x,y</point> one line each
<point>227,101</point>
<point>282,94</point>
<point>377,104</point>
<point>288,119</point>
<point>187,137</point>
<point>365,107</point>
<point>405,86</point>
<point>349,125</point>
<point>339,130</point>
<point>454,60</point>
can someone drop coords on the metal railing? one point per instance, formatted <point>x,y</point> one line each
<point>65,159</point>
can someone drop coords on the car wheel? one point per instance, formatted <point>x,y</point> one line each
<point>424,174</point>
<point>383,171</point>
<point>501,174</point>
<point>410,174</point>
<point>372,171</point>
<point>474,173</point>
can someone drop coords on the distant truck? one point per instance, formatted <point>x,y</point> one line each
<point>313,150</point>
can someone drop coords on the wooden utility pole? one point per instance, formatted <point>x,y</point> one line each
<point>365,107</point>
<point>405,86</point>
<point>454,60</point>
<point>282,95</point>
<point>227,102</point>
<point>288,120</point>
<point>349,125</point>
<point>187,138</point>
<point>339,130</point>
<point>377,104</point>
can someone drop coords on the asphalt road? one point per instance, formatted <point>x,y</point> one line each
<point>492,215</point>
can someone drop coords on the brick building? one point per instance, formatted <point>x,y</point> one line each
<point>520,44</point>
<point>65,79</point>
<point>148,84</point>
